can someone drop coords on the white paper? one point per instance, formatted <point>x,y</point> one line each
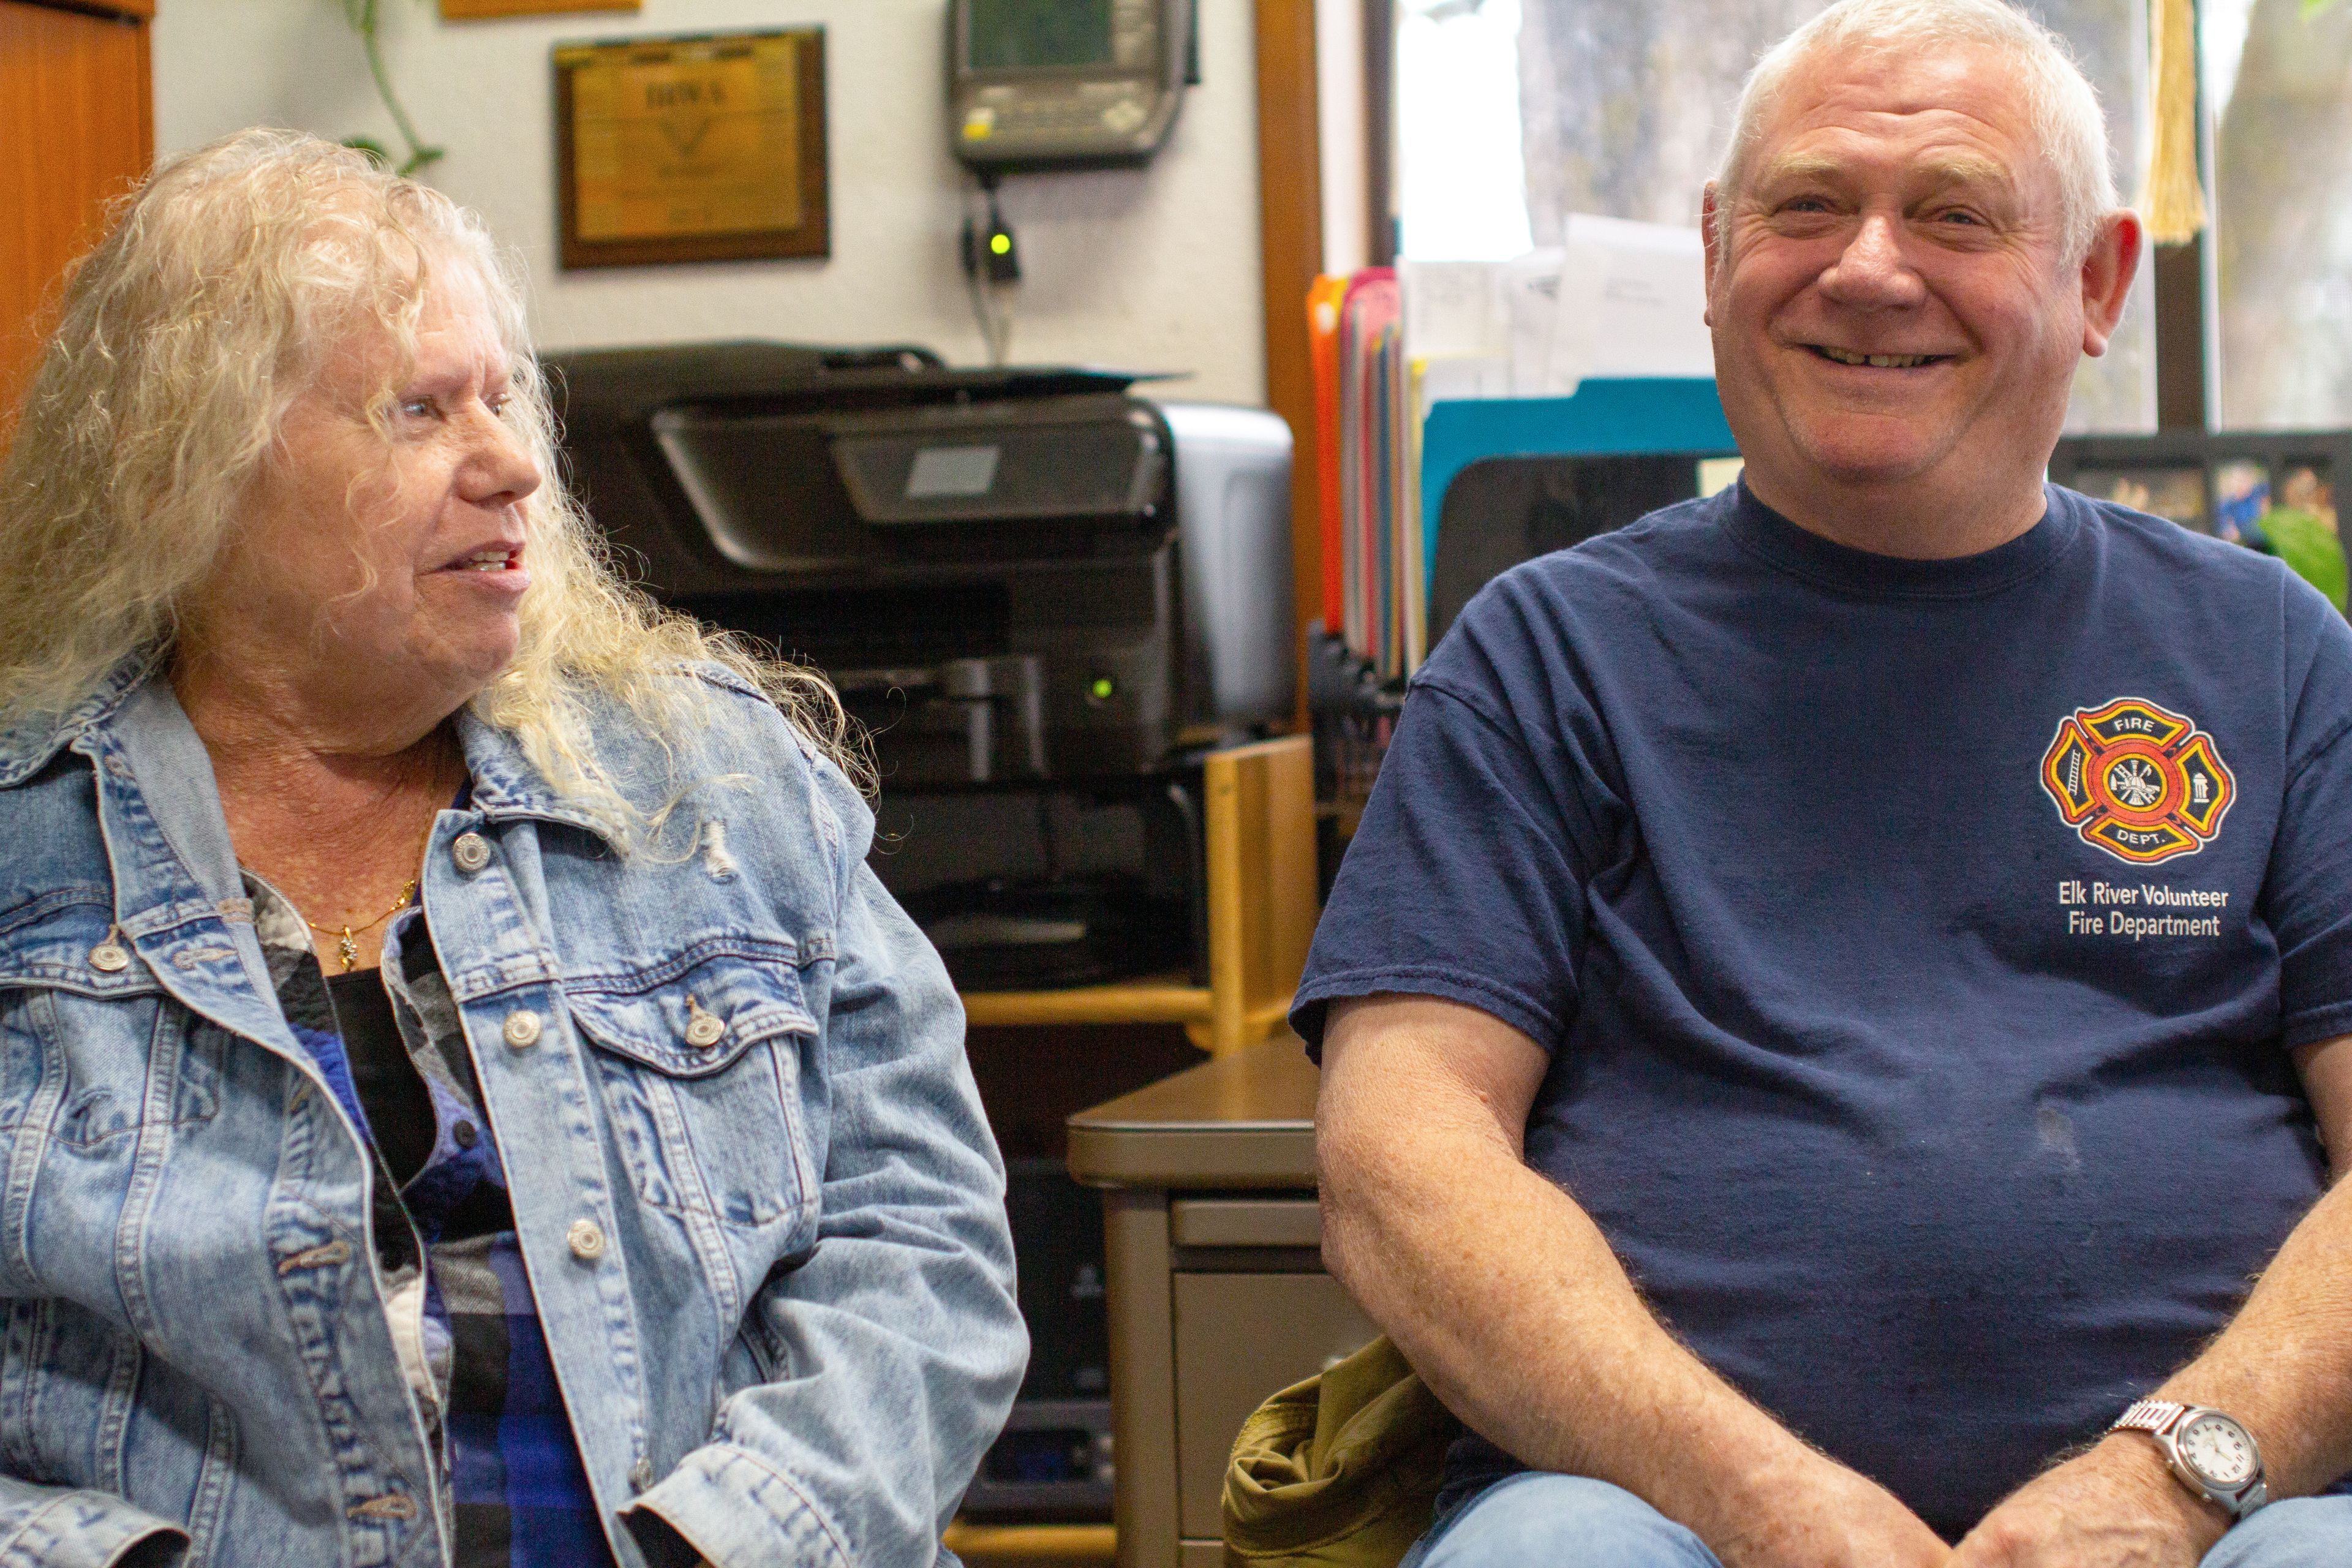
<point>1632,302</point>
<point>1449,310</point>
<point>1717,475</point>
<point>1465,380</point>
<point>1529,310</point>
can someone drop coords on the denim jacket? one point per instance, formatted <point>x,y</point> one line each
<point>772,1268</point>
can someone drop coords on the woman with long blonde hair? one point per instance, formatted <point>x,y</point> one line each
<point>463,1098</point>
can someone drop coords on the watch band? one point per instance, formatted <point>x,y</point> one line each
<point>2163,1420</point>
<point>2153,1417</point>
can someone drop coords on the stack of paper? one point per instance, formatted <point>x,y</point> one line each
<point>1368,403</point>
<point>1616,299</point>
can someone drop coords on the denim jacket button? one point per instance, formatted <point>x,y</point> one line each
<point>641,1475</point>
<point>586,1241</point>
<point>522,1028</point>
<point>109,958</point>
<point>472,851</point>
<point>704,1029</point>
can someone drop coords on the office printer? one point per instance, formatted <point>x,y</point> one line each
<point>1034,587</point>
<point>1009,575</point>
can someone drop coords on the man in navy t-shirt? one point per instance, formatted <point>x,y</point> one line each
<point>1842,986</point>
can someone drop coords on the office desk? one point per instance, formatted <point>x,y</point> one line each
<point>1217,1293</point>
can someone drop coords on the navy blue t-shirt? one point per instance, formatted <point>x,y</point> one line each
<point>1918,946</point>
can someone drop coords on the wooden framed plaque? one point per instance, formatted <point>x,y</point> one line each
<point>480,10</point>
<point>697,149</point>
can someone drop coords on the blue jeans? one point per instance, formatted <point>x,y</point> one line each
<point>1535,1519</point>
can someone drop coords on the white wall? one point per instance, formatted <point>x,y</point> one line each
<point>1156,268</point>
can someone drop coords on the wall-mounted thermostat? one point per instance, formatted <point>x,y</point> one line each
<point>1044,84</point>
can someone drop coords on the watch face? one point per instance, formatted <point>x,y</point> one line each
<point>2219,1450</point>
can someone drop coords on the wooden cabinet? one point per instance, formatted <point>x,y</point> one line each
<point>1243,1328</point>
<point>77,129</point>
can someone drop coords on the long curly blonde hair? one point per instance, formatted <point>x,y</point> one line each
<point>225,281</point>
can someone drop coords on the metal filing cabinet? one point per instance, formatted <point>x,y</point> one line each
<point>1218,1296</point>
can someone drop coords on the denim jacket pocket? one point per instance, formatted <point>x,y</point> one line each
<point>65,940</point>
<point>700,1058</point>
<point>80,1012</point>
<point>84,1025</point>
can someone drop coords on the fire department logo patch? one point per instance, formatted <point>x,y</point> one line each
<point>2137,781</point>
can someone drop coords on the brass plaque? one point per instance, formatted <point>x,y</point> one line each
<point>693,149</point>
<point>476,10</point>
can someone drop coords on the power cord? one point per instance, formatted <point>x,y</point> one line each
<point>991,262</point>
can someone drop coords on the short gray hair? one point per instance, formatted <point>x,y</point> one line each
<point>2067,123</point>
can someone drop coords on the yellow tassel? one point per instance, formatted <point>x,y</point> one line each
<point>2174,203</point>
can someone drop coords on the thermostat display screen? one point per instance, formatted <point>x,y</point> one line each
<point>1039,34</point>
<point>941,472</point>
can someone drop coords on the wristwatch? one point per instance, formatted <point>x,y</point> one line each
<point>2212,1455</point>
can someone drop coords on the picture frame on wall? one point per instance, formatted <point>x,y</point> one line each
<point>704,148</point>
<point>2271,490</point>
<point>486,10</point>
<point>2176,492</point>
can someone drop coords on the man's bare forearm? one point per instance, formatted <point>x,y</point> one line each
<point>2283,1367</point>
<point>1542,1347</point>
<point>1508,1300</point>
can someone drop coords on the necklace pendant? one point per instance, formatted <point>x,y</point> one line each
<point>348,951</point>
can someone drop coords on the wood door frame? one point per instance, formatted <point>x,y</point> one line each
<point>1290,208</point>
<point>32,296</point>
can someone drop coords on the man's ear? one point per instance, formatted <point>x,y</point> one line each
<point>2108,271</point>
<point>1708,216</point>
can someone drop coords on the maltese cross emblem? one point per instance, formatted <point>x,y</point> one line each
<point>2140,782</point>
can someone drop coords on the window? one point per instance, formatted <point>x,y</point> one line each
<point>1462,188</point>
<point>2276,85</point>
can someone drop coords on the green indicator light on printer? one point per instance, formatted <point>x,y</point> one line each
<point>1001,243</point>
<point>1102,688</point>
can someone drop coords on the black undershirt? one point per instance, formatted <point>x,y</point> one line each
<point>392,1091</point>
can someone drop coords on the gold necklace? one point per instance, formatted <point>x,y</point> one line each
<point>345,947</point>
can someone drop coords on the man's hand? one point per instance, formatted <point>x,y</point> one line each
<point>1825,1516</point>
<point>2115,1507</point>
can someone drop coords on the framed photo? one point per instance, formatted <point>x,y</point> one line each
<point>2271,490</point>
<point>710,148</point>
<point>2308,487</point>
<point>2241,495</point>
<point>480,10</point>
<point>2177,493</point>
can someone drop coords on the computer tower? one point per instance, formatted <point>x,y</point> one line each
<point>1054,1458</point>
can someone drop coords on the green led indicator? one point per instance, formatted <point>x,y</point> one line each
<point>1103,687</point>
<point>1001,243</point>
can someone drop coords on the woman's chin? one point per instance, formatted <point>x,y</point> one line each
<point>452,668</point>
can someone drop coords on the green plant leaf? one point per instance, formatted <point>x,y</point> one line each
<point>2304,542</point>
<point>365,18</point>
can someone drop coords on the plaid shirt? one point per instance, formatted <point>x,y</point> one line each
<point>463,1314</point>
